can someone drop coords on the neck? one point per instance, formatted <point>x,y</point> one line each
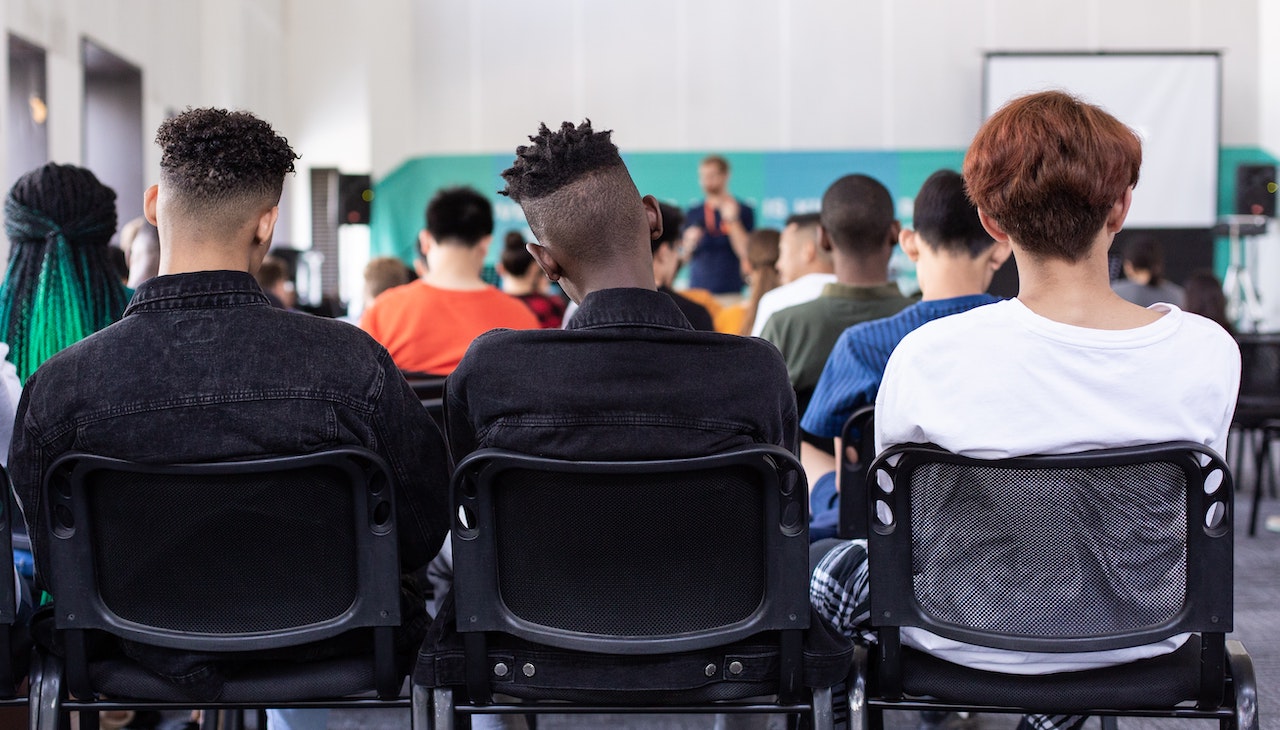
<point>187,256</point>
<point>947,276</point>
<point>456,267</point>
<point>863,271</point>
<point>517,286</point>
<point>635,274</point>
<point>1076,293</point>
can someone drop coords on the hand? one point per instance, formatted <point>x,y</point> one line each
<point>690,240</point>
<point>729,209</point>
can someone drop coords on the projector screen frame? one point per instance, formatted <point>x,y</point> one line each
<point>1216,55</point>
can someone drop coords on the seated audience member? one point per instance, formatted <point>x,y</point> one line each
<point>762,257</point>
<point>526,282</point>
<point>218,374</point>
<point>666,264</point>
<point>1144,283</point>
<point>634,380</point>
<point>804,268</point>
<point>383,273</point>
<point>1051,371</point>
<point>955,260</point>
<point>1203,295</point>
<point>60,286</point>
<point>428,324</point>
<point>857,227</point>
<point>273,277</point>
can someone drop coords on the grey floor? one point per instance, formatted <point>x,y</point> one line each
<point>1257,625</point>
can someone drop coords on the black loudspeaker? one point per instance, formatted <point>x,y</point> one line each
<point>1256,190</point>
<point>355,192</point>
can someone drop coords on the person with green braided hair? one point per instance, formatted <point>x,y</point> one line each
<point>60,286</point>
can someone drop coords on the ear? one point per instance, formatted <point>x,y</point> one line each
<point>149,199</point>
<point>895,228</point>
<point>824,241</point>
<point>546,261</point>
<point>999,253</point>
<point>424,242</point>
<point>909,240</point>
<point>1119,211</point>
<point>992,227</point>
<point>266,226</point>
<point>653,214</point>
<point>482,248</point>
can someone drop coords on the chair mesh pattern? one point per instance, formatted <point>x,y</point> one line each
<point>174,551</point>
<point>1057,554</point>
<point>631,555</point>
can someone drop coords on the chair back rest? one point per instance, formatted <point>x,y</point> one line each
<point>228,556</point>
<point>641,557</point>
<point>426,386</point>
<point>1259,370</point>
<point>1079,552</point>
<point>859,433</point>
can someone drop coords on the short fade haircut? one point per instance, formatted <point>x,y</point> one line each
<point>946,218</point>
<point>574,188</point>
<point>672,221</point>
<point>803,220</point>
<point>459,215</point>
<point>857,214</point>
<point>217,165</point>
<point>1047,168</point>
<point>720,162</point>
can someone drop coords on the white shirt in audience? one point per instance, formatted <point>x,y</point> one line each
<point>805,289</point>
<point>1001,381</point>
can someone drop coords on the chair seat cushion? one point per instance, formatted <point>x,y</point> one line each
<point>257,682</point>
<point>689,677</point>
<point>1155,683</point>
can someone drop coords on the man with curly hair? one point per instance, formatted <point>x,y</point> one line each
<point>217,374</point>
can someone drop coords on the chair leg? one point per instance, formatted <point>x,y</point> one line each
<point>1109,722</point>
<point>1246,686</point>
<point>822,716</point>
<point>49,714</point>
<point>442,709</point>
<point>1261,445</point>
<point>419,707</point>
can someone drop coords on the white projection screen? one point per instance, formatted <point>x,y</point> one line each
<point>1173,102</point>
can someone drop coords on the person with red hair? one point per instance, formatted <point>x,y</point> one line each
<point>1053,370</point>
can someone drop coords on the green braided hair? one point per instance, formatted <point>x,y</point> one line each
<point>60,286</point>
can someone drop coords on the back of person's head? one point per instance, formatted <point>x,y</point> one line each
<point>762,250</point>
<point>60,286</point>
<point>672,220</point>
<point>221,169</point>
<point>383,273</point>
<point>1203,295</point>
<point>459,215</point>
<point>946,219</point>
<point>516,259</point>
<point>271,273</point>
<point>1047,168</point>
<point>857,216</point>
<point>1145,254</point>
<point>576,193</point>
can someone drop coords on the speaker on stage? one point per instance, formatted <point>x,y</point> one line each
<point>1256,190</point>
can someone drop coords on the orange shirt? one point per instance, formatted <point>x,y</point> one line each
<point>427,329</point>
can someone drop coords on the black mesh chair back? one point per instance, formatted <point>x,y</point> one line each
<point>224,557</point>
<point>1081,552</point>
<point>630,557</point>
<point>859,435</point>
<point>426,386</point>
<point>1260,370</point>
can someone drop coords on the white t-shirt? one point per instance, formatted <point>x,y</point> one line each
<point>1001,381</point>
<point>805,289</point>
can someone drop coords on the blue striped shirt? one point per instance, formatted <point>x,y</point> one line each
<point>852,374</point>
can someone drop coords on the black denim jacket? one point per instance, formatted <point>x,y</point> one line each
<point>202,368</point>
<point>628,379</point>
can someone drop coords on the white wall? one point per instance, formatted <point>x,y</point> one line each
<point>773,74</point>
<point>364,86</point>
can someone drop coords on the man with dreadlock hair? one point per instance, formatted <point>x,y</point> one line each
<point>61,285</point>
<point>217,374</point>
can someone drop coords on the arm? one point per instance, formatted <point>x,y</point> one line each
<point>413,447</point>
<point>737,225</point>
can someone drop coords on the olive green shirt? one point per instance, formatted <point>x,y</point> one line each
<point>806,333</point>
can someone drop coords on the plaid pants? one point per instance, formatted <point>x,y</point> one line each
<point>838,589</point>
